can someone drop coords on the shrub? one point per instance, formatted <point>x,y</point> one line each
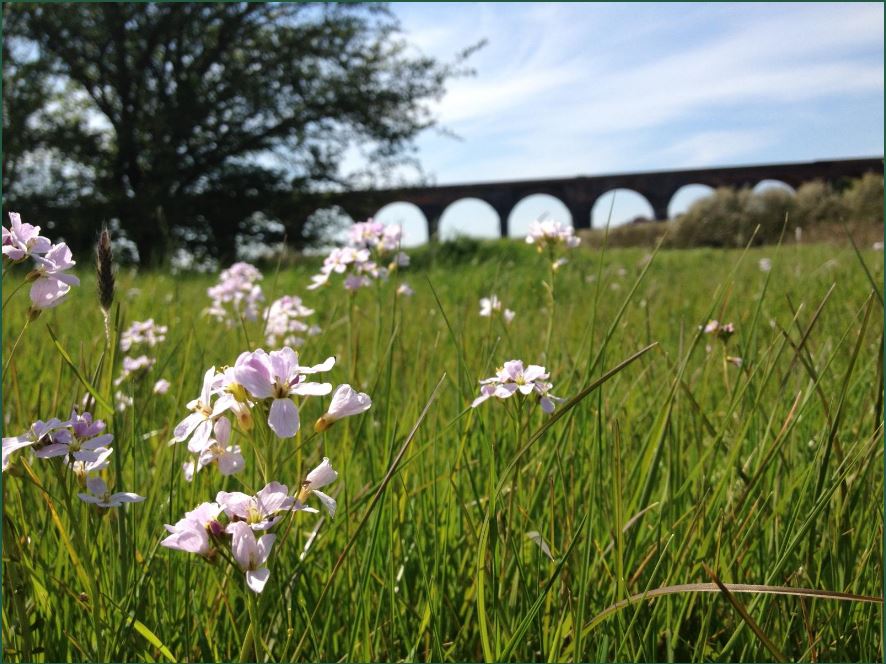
<point>818,203</point>
<point>634,234</point>
<point>864,199</point>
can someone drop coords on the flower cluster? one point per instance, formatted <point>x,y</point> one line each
<point>550,234</point>
<point>236,294</point>
<point>267,383</point>
<point>370,246</point>
<point>230,523</point>
<point>269,380</point>
<point>513,377</point>
<point>491,304</point>
<point>375,236</point>
<point>140,334</point>
<point>146,333</point>
<point>721,331</point>
<point>84,448</point>
<point>50,281</point>
<point>283,322</point>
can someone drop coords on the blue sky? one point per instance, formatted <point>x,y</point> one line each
<point>569,89</point>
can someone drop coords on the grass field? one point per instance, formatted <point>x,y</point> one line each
<point>502,533</point>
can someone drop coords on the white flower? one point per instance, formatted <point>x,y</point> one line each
<point>405,290</point>
<point>36,433</point>
<point>251,554</point>
<point>198,425</point>
<point>161,386</point>
<point>550,233</point>
<point>512,378</point>
<point>101,496</point>
<point>317,479</point>
<point>345,402</point>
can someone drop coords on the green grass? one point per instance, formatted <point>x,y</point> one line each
<point>676,469</point>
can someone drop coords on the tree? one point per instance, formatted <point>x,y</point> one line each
<point>178,119</point>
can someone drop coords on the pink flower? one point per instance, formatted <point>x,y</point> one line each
<point>134,365</point>
<point>405,290</point>
<point>192,533</point>
<point>161,386</point>
<point>198,425</point>
<point>283,324</point>
<point>227,458</point>
<point>51,282</point>
<point>345,402</point>
<point>318,478</point>
<point>82,442</point>
<point>21,240</point>
<point>38,431</point>
<point>277,375</point>
<point>251,554</point>
<point>549,233</point>
<point>90,461</point>
<point>101,496</point>
<point>260,511</point>
<point>512,378</point>
<point>142,332</point>
<point>238,289</point>
<point>491,305</point>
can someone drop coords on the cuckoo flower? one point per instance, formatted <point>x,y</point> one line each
<point>237,287</point>
<point>142,333</point>
<point>722,331</point>
<point>283,324</point>
<point>345,402</point>
<point>251,554</point>
<point>191,534</point>
<point>226,457</point>
<point>90,461</point>
<point>490,305</point>
<point>38,431</point>
<point>260,511</point>
<point>317,479</point>
<point>548,233</point>
<point>513,377</point>
<point>278,375</point>
<point>81,441</point>
<point>51,281</point>
<point>101,496</point>
<point>198,425</point>
<point>21,240</point>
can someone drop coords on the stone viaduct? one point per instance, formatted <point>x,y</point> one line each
<point>580,193</point>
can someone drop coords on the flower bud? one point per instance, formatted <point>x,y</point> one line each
<point>322,424</point>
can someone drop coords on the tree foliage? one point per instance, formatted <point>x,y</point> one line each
<point>181,120</point>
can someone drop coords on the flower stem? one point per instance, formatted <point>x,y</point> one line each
<point>551,304</point>
<point>14,346</point>
<point>252,603</point>
<point>14,291</point>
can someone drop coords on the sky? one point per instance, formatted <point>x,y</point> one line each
<point>581,89</point>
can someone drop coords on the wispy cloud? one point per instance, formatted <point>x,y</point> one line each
<point>565,89</point>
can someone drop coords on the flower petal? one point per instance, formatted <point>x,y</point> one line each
<point>256,579</point>
<point>283,418</point>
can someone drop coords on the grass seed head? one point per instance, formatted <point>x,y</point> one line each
<point>104,267</point>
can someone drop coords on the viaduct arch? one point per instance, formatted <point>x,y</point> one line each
<point>580,193</point>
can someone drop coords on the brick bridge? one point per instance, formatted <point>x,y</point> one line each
<point>580,193</point>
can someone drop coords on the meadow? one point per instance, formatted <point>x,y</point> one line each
<point>680,504</point>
